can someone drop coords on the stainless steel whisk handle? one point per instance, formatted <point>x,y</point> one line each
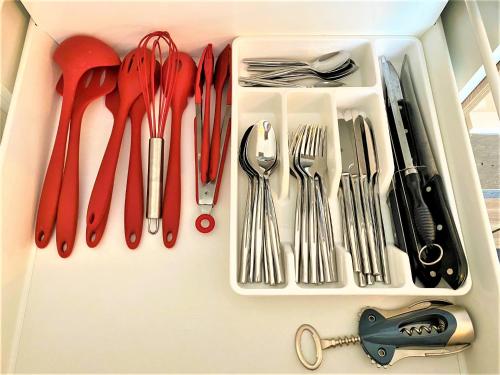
<point>155,181</point>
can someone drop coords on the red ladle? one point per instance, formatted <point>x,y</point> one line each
<point>129,89</point>
<point>184,88</point>
<point>75,56</point>
<point>94,84</point>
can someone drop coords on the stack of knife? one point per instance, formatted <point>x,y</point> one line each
<point>360,201</point>
<point>423,222</point>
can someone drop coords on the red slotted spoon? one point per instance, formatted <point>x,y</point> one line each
<point>94,84</point>
<point>129,90</point>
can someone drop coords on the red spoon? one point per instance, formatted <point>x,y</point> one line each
<point>184,88</point>
<point>75,56</point>
<point>94,84</point>
<point>129,89</point>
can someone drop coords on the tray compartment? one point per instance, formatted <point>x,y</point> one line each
<point>309,48</point>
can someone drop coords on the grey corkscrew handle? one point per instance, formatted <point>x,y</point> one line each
<point>423,219</point>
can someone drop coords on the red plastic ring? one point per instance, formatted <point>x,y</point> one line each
<point>205,229</point>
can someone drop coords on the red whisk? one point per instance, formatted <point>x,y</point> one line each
<point>157,112</point>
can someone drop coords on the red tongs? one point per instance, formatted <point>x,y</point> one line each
<point>211,152</point>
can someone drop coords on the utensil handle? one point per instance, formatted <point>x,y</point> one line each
<point>361,225</point>
<point>259,232</point>
<point>173,193</point>
<point>384,262</point>
<point>246,236</point>
<point>304,234</point>
<point>216,139</point>
<point>253,228</point>
<point>269,265</point>
<point>280,72</point>
<point>421,214</point>
<point>272,61</point>
<point>49,197</point>
<point>222,159</point>
<point>297,229</point>
<point>100,198</point>
<point>323,240</point>
<point>67,210</point>
<point>370,230</point>
<point>134,195</point>
<point>275,237</point>
<point>205,139</point>
<point>350,221</point>
<point>313,233</point>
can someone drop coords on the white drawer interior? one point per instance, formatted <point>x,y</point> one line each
<point>158,310</point>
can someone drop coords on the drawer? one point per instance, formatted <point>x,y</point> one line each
<point>110,309</point>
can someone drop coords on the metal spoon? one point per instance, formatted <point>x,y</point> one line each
<point>262,156</point>
<point>246,264</point>
<point>290,62</point>
<point>323,64</point>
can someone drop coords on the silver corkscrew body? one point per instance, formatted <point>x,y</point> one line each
<point>423,329</point>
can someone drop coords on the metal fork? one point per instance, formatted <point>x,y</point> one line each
<point>306,162</point>
<point>321,173</point>
<point>303,213</point>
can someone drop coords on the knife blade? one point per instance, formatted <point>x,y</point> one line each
<point>422,217</point>
<point>422,144</point>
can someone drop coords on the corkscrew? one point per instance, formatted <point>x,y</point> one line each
<point>424,329</point>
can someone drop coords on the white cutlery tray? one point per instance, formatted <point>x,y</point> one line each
<point>286,109</point>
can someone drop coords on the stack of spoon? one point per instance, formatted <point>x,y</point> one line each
<point>261,257</point>
<point>324,71</point>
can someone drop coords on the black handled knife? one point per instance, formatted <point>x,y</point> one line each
<point>421,214</point>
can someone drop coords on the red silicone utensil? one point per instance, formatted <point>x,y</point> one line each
<point>205,71</point>
<point>129,89</point>
<point>184,88</point>
<point>113,105</point>
<point>134,195</point>
<point>227,118</point>
<point>222,67</point>
<point>75,56</point>
<point>94,84</point>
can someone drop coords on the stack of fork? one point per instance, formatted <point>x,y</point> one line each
<point>314,249</point>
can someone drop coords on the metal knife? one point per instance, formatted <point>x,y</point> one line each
<point>422,217</point>
<point>349,166</point>
<point>374,196</point>
<point>359,140</point>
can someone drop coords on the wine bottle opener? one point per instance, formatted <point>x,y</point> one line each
<point>423,329</point>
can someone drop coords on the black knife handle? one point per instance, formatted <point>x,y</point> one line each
<point>454,267</point>
<point>421,214</point>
